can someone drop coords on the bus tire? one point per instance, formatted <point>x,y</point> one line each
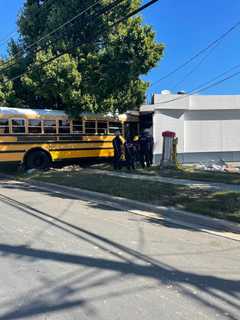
<point>37,159</point>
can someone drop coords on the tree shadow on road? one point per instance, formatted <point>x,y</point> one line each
<point>210,285</point>
<point>214,292</point>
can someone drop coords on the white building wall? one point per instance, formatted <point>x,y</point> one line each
<point>166,120</point>
<point>208,127</point>
<point>212,131</point>
<point>214,102</point>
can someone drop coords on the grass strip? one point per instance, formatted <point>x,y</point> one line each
<point>223,205</point>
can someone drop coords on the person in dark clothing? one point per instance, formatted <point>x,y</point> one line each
<point>129,154</point>
<point>117,146</point>
<point>150,145</point>
<point>146,149</point>
<point>136,149</point>
<point>143,150</point>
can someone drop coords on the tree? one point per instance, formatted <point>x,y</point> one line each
<point>7,94</point>
<point>102,67</point>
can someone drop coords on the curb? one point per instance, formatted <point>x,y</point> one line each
<point>175,216</point>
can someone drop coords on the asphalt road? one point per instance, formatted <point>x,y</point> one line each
<point>64,258</point>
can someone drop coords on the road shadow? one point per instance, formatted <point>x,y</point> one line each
<point>214,292</point>
<point>225,290</point>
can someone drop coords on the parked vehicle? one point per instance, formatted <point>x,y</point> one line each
<point>36,138</point>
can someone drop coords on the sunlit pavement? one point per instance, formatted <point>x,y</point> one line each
<point>62,258</point>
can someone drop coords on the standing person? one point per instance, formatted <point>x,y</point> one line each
<point>150,145</point>
<point>129,153</point>
<point>146,149</point>
<point>117,146</point>
<point>136,149</point>
<point>143,149</point>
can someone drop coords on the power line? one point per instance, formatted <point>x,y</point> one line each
<point>198,88</point>
<point>196,66</point>
<point>218,82</point>
<point>79,14</point>
<point>2,70</point>
<point>199,53</point>
<point>13,33</point>
<point>103,11</point>
<point>113,5</point>
<point>134,12</point>
<point>208,84</point>
<point>3,41</point>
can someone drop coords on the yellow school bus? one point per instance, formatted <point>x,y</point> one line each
<point>36,138</point>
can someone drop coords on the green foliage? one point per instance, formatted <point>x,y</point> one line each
<point>102,67</point>
<point>7,94</point>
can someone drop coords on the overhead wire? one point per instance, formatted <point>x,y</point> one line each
<point>3,41</point>
<point>68,22</point>
<point>102,12</point>
<point>188,74</point>
<point>30,46</point>
<point>199,53</point>
<point>14,32</point>
<point>117,2</point>
<point>207,85</point>
<point>218,82</point>
<point>134,12</point>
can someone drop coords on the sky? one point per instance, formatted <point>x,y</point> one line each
<point>184,27</point>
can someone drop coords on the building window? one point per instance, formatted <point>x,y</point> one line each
<point>18,126</point>
<point>90,127</point>
<point>77,126</point>
<point>64,127</point>
<point>4,126</point>
<point>34,126</point>
<point>115,126</point>
<point>49,126</point>
<point>102,127</point>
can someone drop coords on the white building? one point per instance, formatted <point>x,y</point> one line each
<point>207,127</point>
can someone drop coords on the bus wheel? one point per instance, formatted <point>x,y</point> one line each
<point>38,159</point>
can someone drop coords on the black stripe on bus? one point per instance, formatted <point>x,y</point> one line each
<point>58,150</point>
<point>53,142</point>
<point>51,136</point>
<point>80,149</point>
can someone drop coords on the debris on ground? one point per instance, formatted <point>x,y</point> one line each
<point>218,166</point>
<point>232,169</point>
<point>70,168</point>
<point>31,171</point>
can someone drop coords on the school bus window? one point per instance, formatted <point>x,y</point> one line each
<point>18,126</point>
<point>64,127</point>
<point>4,126</point>
<point>102,127</point>
<point>34,126</point>
<point>115,126</point>
<point>77,126</point>
<point>90,127</point>
<point>49,126</point>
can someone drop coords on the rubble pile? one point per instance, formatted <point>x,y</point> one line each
<point>218,166</point>
<point>69,168</point>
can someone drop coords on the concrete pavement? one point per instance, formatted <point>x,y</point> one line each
<point>66,258</point>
